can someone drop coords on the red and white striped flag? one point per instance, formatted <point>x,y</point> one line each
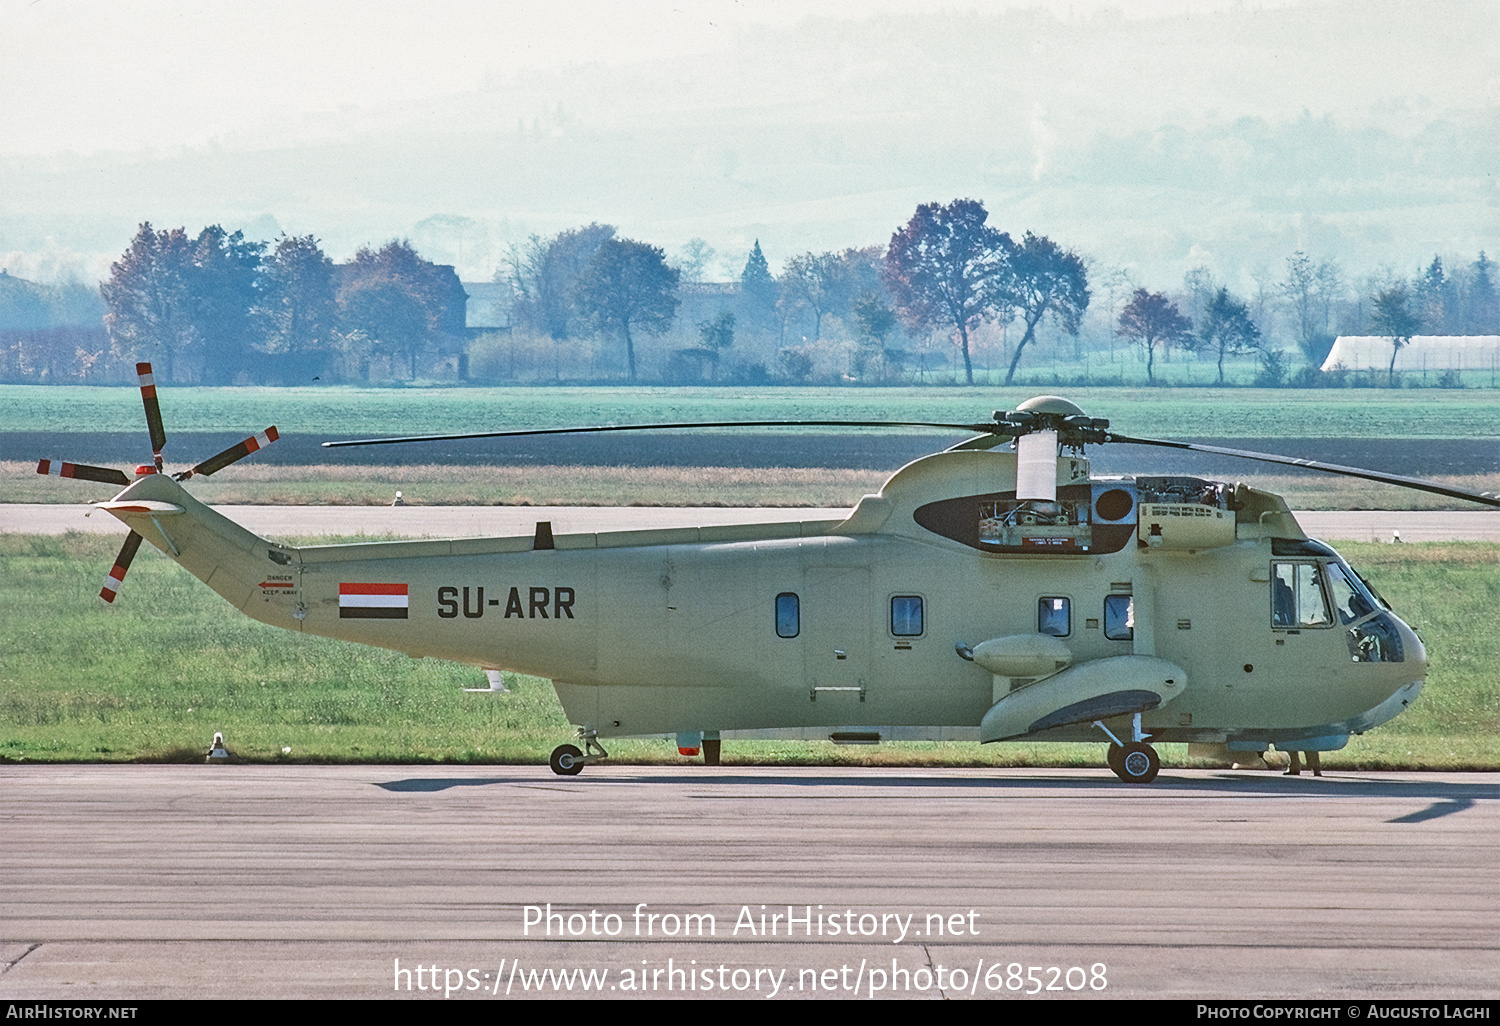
<point>373,601</point>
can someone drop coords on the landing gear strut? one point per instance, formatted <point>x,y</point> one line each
<point>568,761</point>
<point>1134,762</point>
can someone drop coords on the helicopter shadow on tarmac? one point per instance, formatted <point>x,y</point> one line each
<point>1447,796</point>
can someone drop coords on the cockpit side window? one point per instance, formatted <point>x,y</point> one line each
<point>1297,598</point>
<point>1348,602</point>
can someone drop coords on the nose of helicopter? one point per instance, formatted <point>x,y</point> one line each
<point>1416,652</point>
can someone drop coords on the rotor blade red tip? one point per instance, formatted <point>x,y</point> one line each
<point>82,472</point>
<point>235,452</point>
<point>153,408</point>
<point>116,575</point>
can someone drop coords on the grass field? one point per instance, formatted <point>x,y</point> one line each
<point>152,677</point>
<point>347,412</point>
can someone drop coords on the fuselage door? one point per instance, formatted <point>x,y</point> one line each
<point>836,631</point>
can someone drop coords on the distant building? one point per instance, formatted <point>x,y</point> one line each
<point>1422,353</point>
<point>488,308</point>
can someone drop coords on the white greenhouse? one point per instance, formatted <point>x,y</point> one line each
<point>1422,353</point>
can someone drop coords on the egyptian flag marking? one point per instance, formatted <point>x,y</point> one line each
<point>373,601</point>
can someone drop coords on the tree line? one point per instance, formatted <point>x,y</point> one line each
<point>585,304</point>
<point>217,308</point>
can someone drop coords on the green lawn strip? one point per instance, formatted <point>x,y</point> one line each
<point>154,676</point>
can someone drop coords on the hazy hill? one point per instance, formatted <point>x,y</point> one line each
<point>1363,131</point>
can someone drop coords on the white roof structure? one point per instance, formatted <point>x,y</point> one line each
<point>1423,352</point>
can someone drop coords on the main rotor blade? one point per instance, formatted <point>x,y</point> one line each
<point>82,471</point>
<point>254,443</point>
<point>1420,484</point>
<point>122,563</point>
<point>153,411</point>
<point>988,428</point>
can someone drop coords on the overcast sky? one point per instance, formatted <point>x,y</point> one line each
<point>84,75</point>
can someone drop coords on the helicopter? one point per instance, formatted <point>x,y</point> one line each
<point>992,591</point>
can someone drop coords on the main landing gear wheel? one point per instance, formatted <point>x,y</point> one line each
<point>1112,755</point>
<point>566,761</point>
<point>1137,763</point>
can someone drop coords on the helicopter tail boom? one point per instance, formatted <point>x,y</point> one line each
<point>228,558</point>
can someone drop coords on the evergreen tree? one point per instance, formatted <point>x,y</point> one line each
<point>1481,302</point>
<point>225,280</point>
<point>759,288</point>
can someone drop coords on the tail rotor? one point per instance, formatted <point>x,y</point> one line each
<point>158,433</point>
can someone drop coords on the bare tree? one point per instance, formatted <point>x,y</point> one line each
<point>1227,328</point>
<point>628,285</point>
<point>1151,319</point>
<point>542,275</point>
<point>1045,280</point>
<point>947,267</point>
<point>1393,318</point>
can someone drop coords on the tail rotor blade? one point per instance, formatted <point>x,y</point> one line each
<point>153,411</point>
<point>122,564</point>
<point>235,452</point>
<point>82,472</point>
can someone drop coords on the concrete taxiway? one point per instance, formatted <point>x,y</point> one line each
<point>133,882</point>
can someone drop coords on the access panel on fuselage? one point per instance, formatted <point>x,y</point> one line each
<point>836,613</point>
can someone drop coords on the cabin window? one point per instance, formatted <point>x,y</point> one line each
<point>906,616</point>
<point>1119,617</point>
<point>1297,598</point>
<point>788,615</point>
<point>1054,616</point>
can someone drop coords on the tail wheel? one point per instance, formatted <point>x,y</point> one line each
<point>566,761</point>
<point>1138,763</point>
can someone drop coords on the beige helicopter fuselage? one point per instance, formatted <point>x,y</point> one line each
<point>941,608</point>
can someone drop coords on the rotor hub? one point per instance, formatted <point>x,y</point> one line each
<point>1053,413</point>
